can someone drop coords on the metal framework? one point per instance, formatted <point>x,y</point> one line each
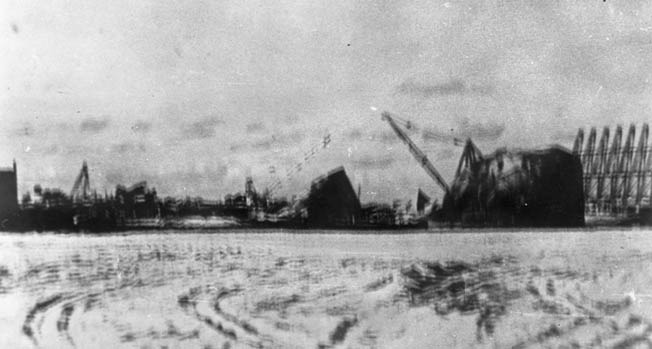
<point>470,156</point>
<point>81,189</point>
<point>419,155</point>
<point>617,179</point>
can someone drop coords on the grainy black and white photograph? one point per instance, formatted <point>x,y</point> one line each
<point>221,174</point>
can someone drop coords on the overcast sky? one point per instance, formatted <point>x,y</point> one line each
<point>193,96</point>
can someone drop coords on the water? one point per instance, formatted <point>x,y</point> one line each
<point>286,290</point>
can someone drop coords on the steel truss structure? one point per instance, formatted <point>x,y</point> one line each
<point>617,178</point>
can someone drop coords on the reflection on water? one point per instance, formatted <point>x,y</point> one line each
<point>536,289</point>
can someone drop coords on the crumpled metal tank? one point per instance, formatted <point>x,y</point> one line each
<point>518,188</point>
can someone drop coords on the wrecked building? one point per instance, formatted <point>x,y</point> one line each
<point>332,201</point>
<point>517,188</point>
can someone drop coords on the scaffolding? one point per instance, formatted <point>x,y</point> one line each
<point>617,179</point>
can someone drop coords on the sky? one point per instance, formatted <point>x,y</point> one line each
<point>194,96</point>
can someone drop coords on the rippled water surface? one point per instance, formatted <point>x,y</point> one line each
<point>287,290</point>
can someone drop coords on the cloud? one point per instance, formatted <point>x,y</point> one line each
<point>25,130</point>
<point>451,87</point>
<point>353,135</point>
<point>292,119</point>
<point>448,153</point>
<point>489,131</point>
<point>115,177</point>
<point>436,135</point>
<point>94,125</point>
<point>263,144</point>
<point>278,140</point>
<point>204,128</point>
<point>51,150</point>
<point>236,147</point>
<point>482,131</point>
<point>80,149</point>
<point>128,147</point>
<point>567,137</point>
<point>196,182</point>
<point>385,137</point>
<point>267,142</point>
<point>369,162</point>
<point>141,126</point>
<point>255,127</point>
<point>616,66</point>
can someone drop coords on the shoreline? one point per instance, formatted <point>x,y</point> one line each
<point>330,231</point>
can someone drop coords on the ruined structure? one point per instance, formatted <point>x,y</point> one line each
<point>137,201</point>
<point>617,177</point>
<point>8,193</point>
<point>506,188</point>
<point>332,201</point>
<point>517,188</point>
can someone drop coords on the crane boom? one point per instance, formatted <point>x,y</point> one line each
<point>81,188</point>
<point>416,152</point>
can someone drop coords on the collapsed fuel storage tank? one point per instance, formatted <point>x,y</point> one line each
<point>518,188</point>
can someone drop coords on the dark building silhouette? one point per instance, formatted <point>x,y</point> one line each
<point>519,188</point>
<point>8,192</point>
<point>332,201</point>
<point>422,201</point>
<point>378,214</point>
<point>137,201</point>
